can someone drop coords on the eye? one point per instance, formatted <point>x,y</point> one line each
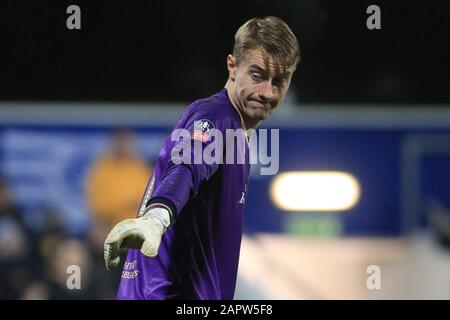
<point>279,82</point>
<point>256,76</point>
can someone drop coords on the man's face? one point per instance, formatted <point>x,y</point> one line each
<point>260,84</point>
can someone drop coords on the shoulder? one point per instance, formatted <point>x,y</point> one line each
<point>216,108</point>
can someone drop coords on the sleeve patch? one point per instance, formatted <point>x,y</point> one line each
<point>202,130</point>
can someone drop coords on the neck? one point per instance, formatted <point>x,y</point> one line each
<point>247,122</point>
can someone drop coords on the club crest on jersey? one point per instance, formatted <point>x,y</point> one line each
<point>202,130</point>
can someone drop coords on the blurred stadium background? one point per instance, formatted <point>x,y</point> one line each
<point>84,113</point>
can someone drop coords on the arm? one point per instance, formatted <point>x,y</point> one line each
<point>176,185</point>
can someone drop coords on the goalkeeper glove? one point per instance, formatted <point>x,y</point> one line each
<point>143,233</point>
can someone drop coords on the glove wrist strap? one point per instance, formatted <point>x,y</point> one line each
<point>161,214</point>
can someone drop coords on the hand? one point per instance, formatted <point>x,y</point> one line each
<point>143,233</point>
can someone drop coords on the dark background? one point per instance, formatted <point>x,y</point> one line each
<point>176,50</point>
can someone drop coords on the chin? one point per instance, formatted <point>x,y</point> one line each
<point>260,117</point>
<point>258,112</point>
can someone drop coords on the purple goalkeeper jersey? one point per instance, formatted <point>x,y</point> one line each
<point>199,253</point>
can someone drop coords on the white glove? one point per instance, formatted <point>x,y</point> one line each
<point>143,233</point>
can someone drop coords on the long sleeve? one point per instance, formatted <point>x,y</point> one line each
<point>179,182</point>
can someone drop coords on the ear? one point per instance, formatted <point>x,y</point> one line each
<point>231,65</point>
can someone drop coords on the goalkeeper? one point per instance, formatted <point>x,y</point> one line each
<point>185,242</point>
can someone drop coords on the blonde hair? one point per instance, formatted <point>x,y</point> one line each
<point>272,35</point>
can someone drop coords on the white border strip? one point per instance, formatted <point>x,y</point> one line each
<point>165,114</point>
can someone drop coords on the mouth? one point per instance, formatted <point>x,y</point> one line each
<point>258,105</point>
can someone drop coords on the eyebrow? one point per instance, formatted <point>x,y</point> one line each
<point>255,66</point>
<point>259,68</point>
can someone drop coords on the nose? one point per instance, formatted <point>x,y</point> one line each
<point>266,91</point>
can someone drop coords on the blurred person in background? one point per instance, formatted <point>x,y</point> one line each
<point>191,217</point>
<point>68,252</point>
<point>36,290</point>
<point>116,180</point>
<point>19,259</point>
<point>33,265</point>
